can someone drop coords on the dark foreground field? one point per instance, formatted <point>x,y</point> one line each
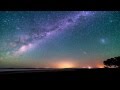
<point>60,74</point>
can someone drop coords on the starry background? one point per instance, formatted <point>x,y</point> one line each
<point>46,38</point>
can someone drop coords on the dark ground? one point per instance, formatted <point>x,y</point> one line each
<point>61,74</point>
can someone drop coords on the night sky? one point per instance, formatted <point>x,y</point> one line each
<point>58,39</point>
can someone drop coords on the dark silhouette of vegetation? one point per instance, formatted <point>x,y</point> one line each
<point>112,62</point>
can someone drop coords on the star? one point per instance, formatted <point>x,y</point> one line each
<point>18,28</point>
<point>85,52</point>
<point>111,21</point>
<point>103,41</point>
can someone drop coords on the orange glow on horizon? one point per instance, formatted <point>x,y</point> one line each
<point>100,66</point>
<point>65,65</point>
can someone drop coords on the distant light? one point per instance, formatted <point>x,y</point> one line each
<point>101,67</point>
<point>89,67</point>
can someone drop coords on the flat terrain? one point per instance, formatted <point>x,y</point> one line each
<point>60,74</point>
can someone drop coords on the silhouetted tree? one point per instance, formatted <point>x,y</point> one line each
<point>117,63</point>
<point>112,62</point>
